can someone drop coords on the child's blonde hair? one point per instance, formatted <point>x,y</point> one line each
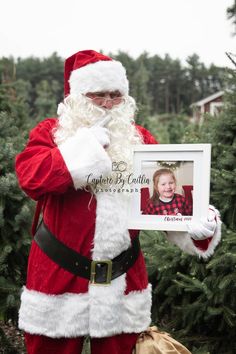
<point>156,176</point>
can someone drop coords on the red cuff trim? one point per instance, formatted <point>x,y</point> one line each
<point>202,244</point>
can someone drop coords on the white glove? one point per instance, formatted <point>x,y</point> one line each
<point>101,133</point>
<point>205,227</point>
<point>85,156</point>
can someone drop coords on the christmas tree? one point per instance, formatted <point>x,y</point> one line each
<point>15,208</point>
<point>195,299</point>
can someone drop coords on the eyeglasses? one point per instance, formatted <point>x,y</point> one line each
<point>101,98</point>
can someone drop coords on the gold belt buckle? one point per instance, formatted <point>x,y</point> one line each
<point>94,264</point>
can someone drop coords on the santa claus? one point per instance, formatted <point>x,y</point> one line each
<point>86,273</point>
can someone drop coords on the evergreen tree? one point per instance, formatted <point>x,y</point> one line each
<point>45,103</point>
<point>140,90</point>
<point>194,75</point>
<point>159,85</point>
<point>45,77</point>
<point>15,210</point>
<point>158,129</point>
<point>7,70</point>
<point>155,84</point>
<point>168,128</point>
<point>221,133</point>
<point>231,14</point>
<point>195,299</point>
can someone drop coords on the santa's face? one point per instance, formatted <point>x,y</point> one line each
<point>105,100</point>
<point>165,186</point>
<point>87,110</point>
<point>82,111</point>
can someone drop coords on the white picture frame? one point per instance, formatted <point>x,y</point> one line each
<point>199,155</point>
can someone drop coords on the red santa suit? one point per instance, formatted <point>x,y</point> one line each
<point>92,226</point>
<point>54,302</point>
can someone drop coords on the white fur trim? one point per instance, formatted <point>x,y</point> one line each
<point>106,305</point>
<point>111,311</point>
<point>54,315</point>
<point>99,77</point>
<point>84,155</point>
<point>111,233</point>
<point>72,315</point>
<point>137,311</point>
<point>184,241</point>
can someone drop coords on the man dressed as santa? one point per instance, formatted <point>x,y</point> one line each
<point>86,273</point>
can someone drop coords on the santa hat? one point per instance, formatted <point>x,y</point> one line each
<point>89,71</point>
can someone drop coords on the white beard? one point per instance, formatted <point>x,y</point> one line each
<point>80,112</point>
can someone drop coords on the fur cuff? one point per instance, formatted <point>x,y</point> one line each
<point>202,248</point>
<point>99,77</point>
<point>83,156</point>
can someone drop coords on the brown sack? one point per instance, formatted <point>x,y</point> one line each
<point>152,341</point>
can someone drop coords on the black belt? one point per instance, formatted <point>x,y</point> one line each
<point>98,272</point>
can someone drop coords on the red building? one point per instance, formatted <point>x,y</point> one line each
<point>211,104</point>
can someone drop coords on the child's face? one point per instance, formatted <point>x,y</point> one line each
<point>165,186</point>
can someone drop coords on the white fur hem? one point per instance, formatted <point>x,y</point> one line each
<point>69,315</point>
<point>83,156</point>
<point>54,315</point>
<point>109,75</point>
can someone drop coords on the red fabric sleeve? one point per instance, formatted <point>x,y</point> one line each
<point>202,244</point>
<point>148,138</point>
<point>40,168</point>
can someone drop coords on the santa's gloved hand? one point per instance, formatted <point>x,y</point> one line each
<point>205,228</point>
<point>84,153</point>
<point>101,134</point>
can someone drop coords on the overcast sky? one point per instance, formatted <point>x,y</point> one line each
<point>177,27</point>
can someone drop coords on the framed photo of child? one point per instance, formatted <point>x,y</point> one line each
<point>171,184</point>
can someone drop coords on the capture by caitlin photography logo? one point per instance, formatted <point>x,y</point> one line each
<point>119,181</point>
<point>120,166</point>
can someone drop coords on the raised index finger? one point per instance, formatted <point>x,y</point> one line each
<point>103,122</point>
